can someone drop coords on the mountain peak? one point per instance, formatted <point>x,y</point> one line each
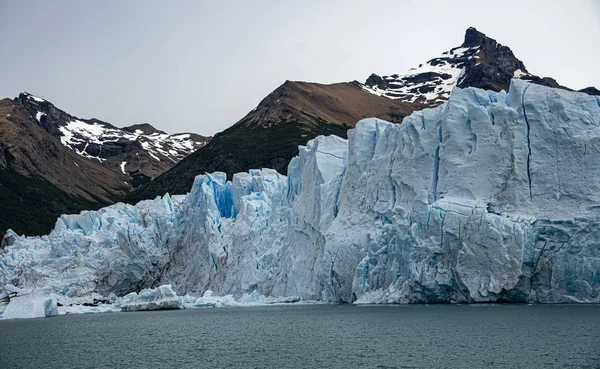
<point>146,128</point>
<point>474,38</point>
<point>590,91</point>
<point>27,96</point>
<point>479,62</point>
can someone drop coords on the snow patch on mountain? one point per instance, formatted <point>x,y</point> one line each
<point>158,144</point>
<point>479,62</point>
<point>78,132</point>
<point>35,98</point>
<point>430,82</point>
<point>98,140</point>
<point>520,74</point>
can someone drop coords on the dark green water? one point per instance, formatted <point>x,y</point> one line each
<point>436,336</point>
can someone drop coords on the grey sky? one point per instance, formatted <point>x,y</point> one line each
<point>200,66</point>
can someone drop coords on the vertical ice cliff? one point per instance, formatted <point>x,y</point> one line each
<point>488,197</point>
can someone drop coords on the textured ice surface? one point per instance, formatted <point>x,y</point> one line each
<point>29,304</point>
<point>488,197</point>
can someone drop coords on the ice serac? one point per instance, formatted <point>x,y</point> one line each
<point>488,197</point>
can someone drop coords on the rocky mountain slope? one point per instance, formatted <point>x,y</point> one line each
<point>295,112</point>
<point>40,178</point>
<point>490,197</point>
<point>53,163</point>
<point>269,135</point>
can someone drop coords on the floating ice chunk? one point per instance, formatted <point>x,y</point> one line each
<point>161,298</point>
<point>283,300</point>
<point>29,304</point>
<point>252,297</point>
<point>83,309</point>
<point>209,299</point>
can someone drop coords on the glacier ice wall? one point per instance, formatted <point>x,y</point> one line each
<point>488,197</point>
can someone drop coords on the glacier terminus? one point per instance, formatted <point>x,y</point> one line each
<point>490,197</point>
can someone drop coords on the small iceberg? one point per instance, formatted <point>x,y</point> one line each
<point>24,303</point>
<point>161,298</point>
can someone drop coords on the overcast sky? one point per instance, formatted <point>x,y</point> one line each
<point>200,66</point>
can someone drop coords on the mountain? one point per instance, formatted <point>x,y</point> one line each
<point>590,91</point>
<point>53,163</point>
<point>295,112</point>
<point>479,62</point>
<point>269,135</point>
<point>490,197</point>
<point>40,178</point>
<point>140,152</point>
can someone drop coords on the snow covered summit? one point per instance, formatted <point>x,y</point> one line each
<point>488,197</point>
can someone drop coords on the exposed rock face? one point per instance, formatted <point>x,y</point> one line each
<point>488,197</point>
<point>479,62</point>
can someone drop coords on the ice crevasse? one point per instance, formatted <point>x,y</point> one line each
<point>488,197</point>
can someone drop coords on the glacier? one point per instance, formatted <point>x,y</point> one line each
<point>490,197</point>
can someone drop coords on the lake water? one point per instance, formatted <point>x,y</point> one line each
<point>330,336</point>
